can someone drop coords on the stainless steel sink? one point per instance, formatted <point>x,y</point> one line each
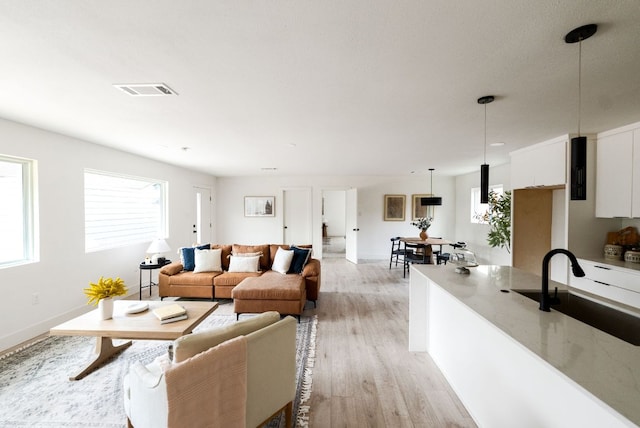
<point>616,323</point>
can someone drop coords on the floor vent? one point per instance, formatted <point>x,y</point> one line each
<point>146,89</point>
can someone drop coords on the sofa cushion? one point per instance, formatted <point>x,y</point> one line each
<point>192,278</point>
<point>265,259</point>
<point>194,343</point>
<point>270,286</point>
<point>244,264</point>
<point>187,256</point>
<point>230,279</point>
<point>208,260</point>
<point>300,258</point>
<point>282,260</point>
<point>226,252</point>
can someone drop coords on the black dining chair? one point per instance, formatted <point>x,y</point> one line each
<point>440,256</point>
<point>397,253</point>
<point>416,254</point>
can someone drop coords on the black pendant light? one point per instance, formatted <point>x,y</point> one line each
<point>433,200</point>
<point>579,143</point>
<point>484,168</point>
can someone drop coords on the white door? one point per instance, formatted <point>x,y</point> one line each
<point>202,221</point>
<point>351,223</point>
<point>296,217</point>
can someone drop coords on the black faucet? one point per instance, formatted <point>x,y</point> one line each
<point>545,299</point>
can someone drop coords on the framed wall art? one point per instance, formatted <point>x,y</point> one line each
<point>259,206</point>
<point>419,211</point>
<point>394,207</point>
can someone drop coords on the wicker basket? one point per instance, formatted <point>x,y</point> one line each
<point>632,256</point>
<point>613,252</point>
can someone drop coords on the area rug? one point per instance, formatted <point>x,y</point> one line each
<point>35,390</point>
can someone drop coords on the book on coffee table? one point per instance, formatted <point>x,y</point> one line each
<point>174,319</point>
<point>169,311</point>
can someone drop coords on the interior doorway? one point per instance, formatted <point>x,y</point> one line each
<point>334,223</point>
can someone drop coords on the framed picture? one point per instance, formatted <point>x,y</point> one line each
<point>259,206</point>
<point>394,207</point>
<point>417,210</point>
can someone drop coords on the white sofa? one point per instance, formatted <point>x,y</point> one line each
<point>270,372</point>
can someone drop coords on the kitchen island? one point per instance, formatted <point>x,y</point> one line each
<point>514,365</point>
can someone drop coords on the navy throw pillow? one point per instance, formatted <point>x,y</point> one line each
<point>300,258</point>
<point>189,255</point>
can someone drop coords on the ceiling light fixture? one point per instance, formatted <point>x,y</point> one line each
<point>579,143</point>
<point>145,89</point>
<point>432,200</point>
<point>484,168</point>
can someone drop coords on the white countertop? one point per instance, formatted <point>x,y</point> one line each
<point>606,366</point>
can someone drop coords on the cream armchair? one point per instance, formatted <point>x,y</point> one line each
<point>270,377</point>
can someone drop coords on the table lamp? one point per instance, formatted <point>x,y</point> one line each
<point>157,247</point>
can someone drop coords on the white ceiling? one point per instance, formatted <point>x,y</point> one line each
<point>357,87</point>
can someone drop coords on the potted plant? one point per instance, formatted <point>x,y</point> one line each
<point>101,293</point>
<point>498,217</point>
<point>423,223</point>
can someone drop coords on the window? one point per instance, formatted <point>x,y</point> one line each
<point>120,211</point>
<point>478,209</point>
<point>17,213</point>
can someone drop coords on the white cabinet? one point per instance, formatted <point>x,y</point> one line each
<point>608,281</point>
<point>618,173</point>
<point>542,164</point>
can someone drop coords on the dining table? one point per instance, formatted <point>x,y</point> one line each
<point>429,241</point>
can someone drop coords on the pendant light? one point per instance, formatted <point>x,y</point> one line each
<point>484,168</point>
<point>579,143</point>
<point>433,200</point>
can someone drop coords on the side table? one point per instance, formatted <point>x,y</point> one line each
<point>150,268</point>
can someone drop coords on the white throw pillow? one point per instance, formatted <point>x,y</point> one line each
<point>282,260</point>
<point>244,264</point>
<point>208,260</point>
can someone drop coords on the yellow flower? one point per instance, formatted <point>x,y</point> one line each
<point>105,287</point>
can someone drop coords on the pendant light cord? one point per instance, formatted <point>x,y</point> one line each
<point>579,82</point>
<point>485,134</point>
<point>431,170</point>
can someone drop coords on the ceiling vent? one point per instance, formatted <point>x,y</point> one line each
<point>146,89</point>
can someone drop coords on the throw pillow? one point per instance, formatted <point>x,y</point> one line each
<point>300,259</point>
<point>244,264</point>
<point>188,256</point>
<point>208,260</point>
<point>282,260</point>
<point>257,253</point>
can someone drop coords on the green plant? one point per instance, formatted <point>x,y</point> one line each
<point>498,217</point>
<point>105,287</point>
<point>422,223</point>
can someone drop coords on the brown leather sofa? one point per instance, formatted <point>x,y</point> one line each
<point>174,281</point>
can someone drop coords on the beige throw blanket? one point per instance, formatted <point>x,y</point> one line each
<point>210,389</point>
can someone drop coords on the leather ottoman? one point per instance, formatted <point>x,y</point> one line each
<point>272,291</point>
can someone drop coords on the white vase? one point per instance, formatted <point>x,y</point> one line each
<point>105,307</point>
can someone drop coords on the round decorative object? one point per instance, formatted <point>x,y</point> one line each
<point>137,307</point>
<point>632,256</point>
<point>423,234</point>
<point>613,252</point>
<point>105,308</point>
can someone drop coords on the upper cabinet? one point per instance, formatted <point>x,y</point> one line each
<point>618,172</point>
<point>542,164</point>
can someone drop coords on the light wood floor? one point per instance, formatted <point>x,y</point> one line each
<point>364,375</point>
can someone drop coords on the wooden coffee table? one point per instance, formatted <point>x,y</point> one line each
<point>140,326</point>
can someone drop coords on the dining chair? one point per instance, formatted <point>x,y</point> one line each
<point>397,253</point>
<point>440,256</point>
<point>416,253</point>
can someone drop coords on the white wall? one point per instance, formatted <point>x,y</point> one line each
<point>475,235</point>
<point>64,269</point>
<point>374,234</point>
